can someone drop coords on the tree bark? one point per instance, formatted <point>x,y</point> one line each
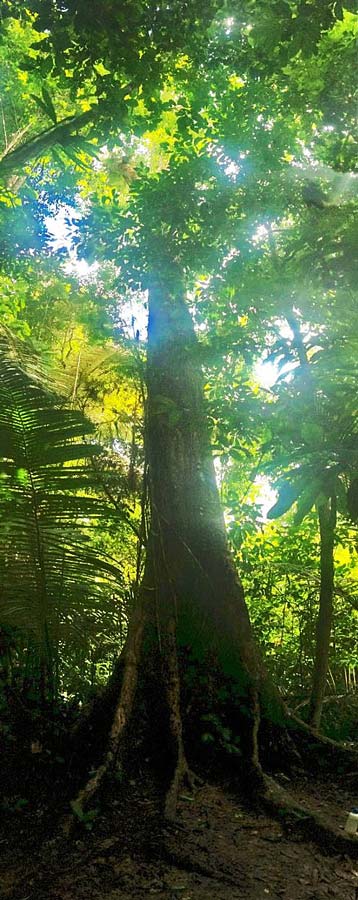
<point>188,532</point>
<point>327,523</point>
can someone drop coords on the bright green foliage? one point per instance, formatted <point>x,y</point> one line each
<point>281,572</point>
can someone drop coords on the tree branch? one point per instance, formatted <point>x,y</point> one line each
<point>37,146</point>
<point>61,133</point>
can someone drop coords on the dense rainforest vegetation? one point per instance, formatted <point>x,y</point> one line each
<point>179,428</point>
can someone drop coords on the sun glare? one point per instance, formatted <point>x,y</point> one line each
<point>266,373</point>
<point>266,496</point>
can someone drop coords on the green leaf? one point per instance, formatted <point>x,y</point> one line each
<point>49,105</point>
<point>77,810</point>
<point>42,105</point>
<point>306,501</point>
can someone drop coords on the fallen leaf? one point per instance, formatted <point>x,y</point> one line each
<point>108,842</point>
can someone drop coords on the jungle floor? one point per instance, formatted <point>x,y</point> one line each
<point>218,849</point>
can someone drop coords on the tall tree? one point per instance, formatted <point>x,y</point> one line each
<point>224,130</point>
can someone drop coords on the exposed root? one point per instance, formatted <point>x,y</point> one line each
<point>320,752</point>
<point>121,718</point>
<point>171,680</point>
<point>299,746</point>
<point>254,782</point>
<point>300,729</point>
<point>181,778</point>
<point>313,826</point>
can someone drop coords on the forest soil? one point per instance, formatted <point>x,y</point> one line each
<point>217,849</point>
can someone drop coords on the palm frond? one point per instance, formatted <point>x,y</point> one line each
<point>49,500</point>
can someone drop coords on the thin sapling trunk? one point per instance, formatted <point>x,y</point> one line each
<point>327,522</point>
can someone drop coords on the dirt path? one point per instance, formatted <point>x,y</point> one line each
<point>217,850</point>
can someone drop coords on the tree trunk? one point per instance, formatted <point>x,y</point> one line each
<point>193,572</point>
<point>327,523</point>
<point>193,634</point>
